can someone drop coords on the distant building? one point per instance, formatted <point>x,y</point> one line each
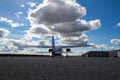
<point>96,54</point>
<point>113,53</point>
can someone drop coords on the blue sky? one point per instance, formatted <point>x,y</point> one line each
<point>107,11</point>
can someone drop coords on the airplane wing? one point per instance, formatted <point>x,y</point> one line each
<point>76,46</point>
<point>44,46</point>
<point>41,46</point>
<point>62,46</point>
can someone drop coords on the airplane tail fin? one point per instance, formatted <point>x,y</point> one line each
<point>53,46</point>
<point>53,43</point>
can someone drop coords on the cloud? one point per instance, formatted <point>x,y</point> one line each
<point>44,43</point>
<point>75,28</point>
<point>10,22</point>
<point>31,4</point>
<point>9,48</point>
<point>115,41</point>
<point>118,24</point>
<point>64,21</point>
<point>22,44</point>
<point>75,41</point>
<point>51,11</point>
<point>22,5</point>
<point>3,32</point>
<point>25,44</point>
<point>104,46</point>
<point>38,31</point>
<point>18,14</point>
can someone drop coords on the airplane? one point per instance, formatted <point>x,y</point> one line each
<point>58,50</point>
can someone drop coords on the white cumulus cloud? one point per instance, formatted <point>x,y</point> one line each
<point>22,5</point>
<point>51,11</point>
<point>75,28</point>
<point>18,14</point>
<point>103,46</point>
<point>31,4</point>
<point>115,41</point>
<point>3,32</point>
<point>22,44</point>
<point>75,41</point>
<point>63,18</point>
<point>38,31</point>
<point>10,22</point>
<point>118,24</point>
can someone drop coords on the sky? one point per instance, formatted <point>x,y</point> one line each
<point>25,23</point>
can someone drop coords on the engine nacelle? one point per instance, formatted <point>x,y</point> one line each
<point>68,50</point>
<point>50,50</point>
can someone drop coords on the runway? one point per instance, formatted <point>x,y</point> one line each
<point>59,68</point>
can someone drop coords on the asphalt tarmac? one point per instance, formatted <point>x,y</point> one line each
<point>59,68</point>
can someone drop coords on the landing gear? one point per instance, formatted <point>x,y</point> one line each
<point>52,56</point>
<point>66,55</point>
<point>67,50</point>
